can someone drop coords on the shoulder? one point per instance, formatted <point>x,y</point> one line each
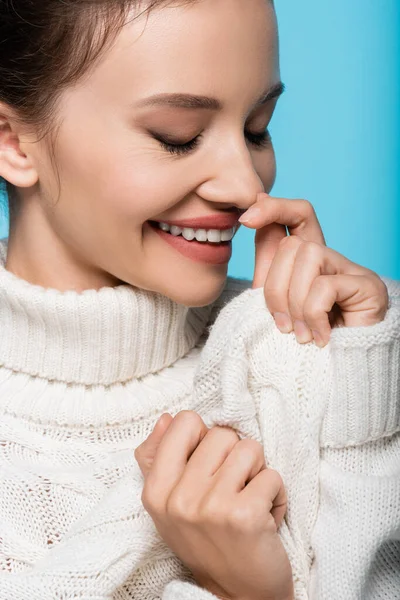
<point>244,326</point>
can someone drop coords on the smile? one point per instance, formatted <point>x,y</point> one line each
<point>213,236</point>
<point>208,246</point>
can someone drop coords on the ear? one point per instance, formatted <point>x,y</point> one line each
<point>16,166</point>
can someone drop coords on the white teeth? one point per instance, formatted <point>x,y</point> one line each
<point>176,230</point>
<point>188,234</point>
<point>227,234</point>
<point>214,236</point>
<point>201,235</point>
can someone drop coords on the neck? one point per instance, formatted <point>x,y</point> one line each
<point>28,255</point>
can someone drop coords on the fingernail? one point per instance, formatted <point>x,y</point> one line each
<point>302,332</point>
<point>318,339</point>
<point>250,214</point>
<point>283,322</point>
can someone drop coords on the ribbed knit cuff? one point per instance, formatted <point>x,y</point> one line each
<point>179,590</point>
<point>364,402</point>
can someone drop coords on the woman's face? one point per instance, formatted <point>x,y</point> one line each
<point>116,173</point>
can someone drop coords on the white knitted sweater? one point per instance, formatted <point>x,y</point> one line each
<point>84,377</point>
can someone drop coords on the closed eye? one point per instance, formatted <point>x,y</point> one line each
<point>259,140</point>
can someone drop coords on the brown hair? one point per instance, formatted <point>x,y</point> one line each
<point>48,45</point>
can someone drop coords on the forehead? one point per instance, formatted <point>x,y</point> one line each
<point>216,47</point>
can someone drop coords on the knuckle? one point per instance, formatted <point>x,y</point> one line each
<point>189,418</point>
<point>152,501</point>
<point>382,290</point>
<point>311,251</point>
<point>273,293</point>
<point>306,208</point>
<point>323,284</point>
<point>243,517</point>
<point>180,509</point>
<point>275,477</point>
<point>290,241</point>
<point>319,288</point>
<point>271,480</point>
<point>226,435</point>
<point>138,453</point>
<point>251,449</point>
<point>380,295</point>
<point>212,511</point>
<point>312,312</point>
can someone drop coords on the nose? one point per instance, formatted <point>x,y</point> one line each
<point>233,179</point>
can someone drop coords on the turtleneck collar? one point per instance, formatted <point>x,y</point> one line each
<point>94,337</point>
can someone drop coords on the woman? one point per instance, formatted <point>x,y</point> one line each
<point>127,130</point>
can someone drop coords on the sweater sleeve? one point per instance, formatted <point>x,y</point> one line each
<point>98,555</point>
<point>360,466</point>
<point>364,401</point>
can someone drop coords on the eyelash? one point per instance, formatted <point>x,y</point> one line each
<point>258,140</point>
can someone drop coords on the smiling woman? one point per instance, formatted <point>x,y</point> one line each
<point>146,151</point>
<point>133,137</point>
<point>134,142</point>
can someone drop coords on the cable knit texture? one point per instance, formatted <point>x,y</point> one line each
<point>329,421</point>
<point>84,377</point>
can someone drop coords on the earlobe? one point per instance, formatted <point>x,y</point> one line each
<point>16,167</point>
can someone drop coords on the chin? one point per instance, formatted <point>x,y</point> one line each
<point>202,292</point>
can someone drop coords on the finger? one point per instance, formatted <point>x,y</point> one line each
<point>205,461</point>
<point>356,296</point>
<point>267,242</point>
<point>277,284</point>
<point>268,485</point>
<point>211,453</point>
<point>180,440</point>
<point>297,215</point>
<point>146,452</point>
<point>312,261</point>
<point>243,463</point>
<point>318,304</point>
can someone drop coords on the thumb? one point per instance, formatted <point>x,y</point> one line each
<point>146,452</point>
<point>267,240</point>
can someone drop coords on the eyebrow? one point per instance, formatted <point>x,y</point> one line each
<point>206,102</point>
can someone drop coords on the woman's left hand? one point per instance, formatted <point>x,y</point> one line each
<point>308,287</point>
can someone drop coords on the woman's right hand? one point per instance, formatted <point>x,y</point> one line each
<point>217,507</point>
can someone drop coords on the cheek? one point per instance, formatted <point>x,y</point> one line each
<point>140,190</point>
<point>122,187</point>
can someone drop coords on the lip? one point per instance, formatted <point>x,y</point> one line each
<point>204,252</point>
<point>217,221</point>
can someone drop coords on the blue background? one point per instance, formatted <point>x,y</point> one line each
<point>336,129</point>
